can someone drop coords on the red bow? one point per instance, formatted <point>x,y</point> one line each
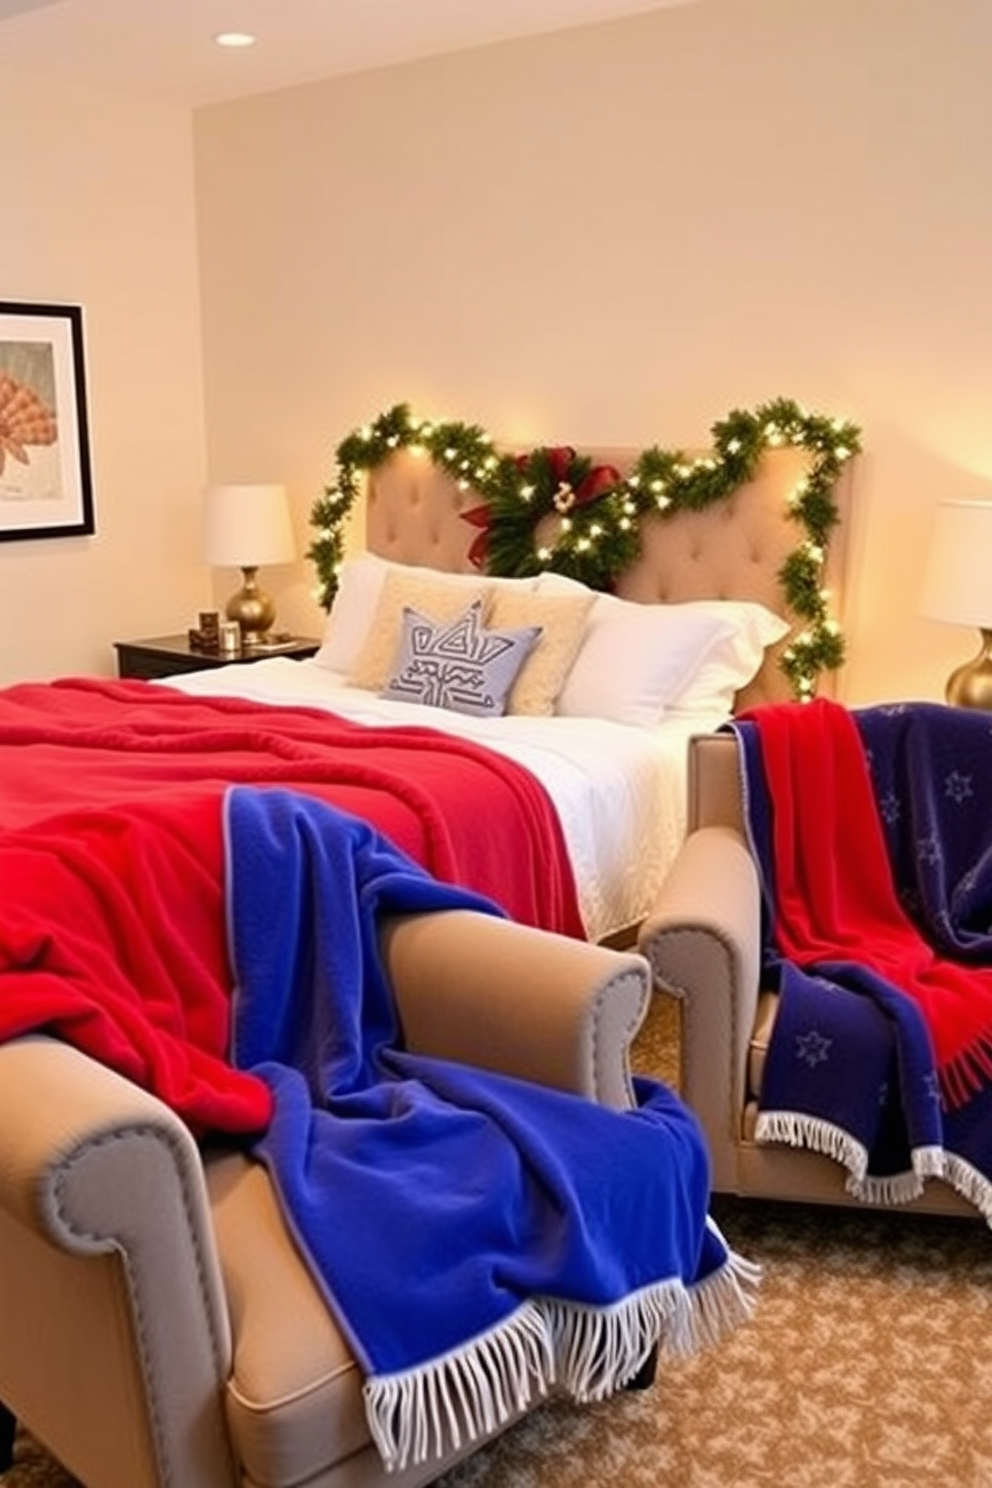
<point>479,516</point>
<point>599,480</point>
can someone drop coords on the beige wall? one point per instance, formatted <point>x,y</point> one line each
<point>96,209</point>
<point>610,236</point>
<point>616,235</point>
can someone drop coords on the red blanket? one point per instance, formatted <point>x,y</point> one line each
<point>111,861</point>
<point>468,815</point>
<point>112,936</point>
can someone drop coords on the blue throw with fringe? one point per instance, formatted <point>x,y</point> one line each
<point>881,1050</point>
<point>478,1238</point>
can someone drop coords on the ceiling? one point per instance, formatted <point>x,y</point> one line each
<point>163,49</point>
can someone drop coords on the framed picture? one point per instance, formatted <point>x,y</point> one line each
<point>45,484</point>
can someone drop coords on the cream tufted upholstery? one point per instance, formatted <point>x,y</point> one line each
<point>412,514</point>
<point>733,550</point>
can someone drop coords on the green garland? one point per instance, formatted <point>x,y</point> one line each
<point>597,532</point>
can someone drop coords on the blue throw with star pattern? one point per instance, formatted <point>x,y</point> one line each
<point>872,830</point>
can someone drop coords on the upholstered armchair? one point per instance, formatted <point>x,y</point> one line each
<point>703,941</point>
<point>157,1326</point>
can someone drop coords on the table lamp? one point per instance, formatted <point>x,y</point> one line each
<point>246,526</point>
<point>957,589</point>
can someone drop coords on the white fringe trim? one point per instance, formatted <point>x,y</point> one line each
<point>898,1188</point>
<point>969,1183</point>
<point>590,1352</point>
<point>819,1136</point>
<point>726,1298</point>
<point>466,1393</point>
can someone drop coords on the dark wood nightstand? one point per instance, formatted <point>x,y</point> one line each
<point>165,656</point>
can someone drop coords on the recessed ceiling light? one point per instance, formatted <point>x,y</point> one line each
<point>235,39</point>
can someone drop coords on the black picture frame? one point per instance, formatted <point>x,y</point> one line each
<point>46,485</point>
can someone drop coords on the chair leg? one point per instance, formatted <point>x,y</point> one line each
<point>8,1427</point>
<point>644,1378</point>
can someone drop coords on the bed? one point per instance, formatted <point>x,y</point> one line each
<point>698,628</point>
<point>558,788</point>
<point>587,757</point>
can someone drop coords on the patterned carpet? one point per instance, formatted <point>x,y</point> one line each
<point>868,1364</point>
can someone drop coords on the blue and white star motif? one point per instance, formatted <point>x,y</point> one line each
<point>890,808</point>
<point>931,1086</point>
<point>813,1048</point>
<point>957,787</point>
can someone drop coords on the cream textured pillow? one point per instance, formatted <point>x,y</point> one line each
<point>360,580</point>
<point>437,598</point>
<point>562,618</point>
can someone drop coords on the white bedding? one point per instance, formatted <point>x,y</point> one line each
<point>619,791</point>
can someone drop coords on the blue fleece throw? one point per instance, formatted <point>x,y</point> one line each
<point>478,1238</point>
<point>896,1087</point>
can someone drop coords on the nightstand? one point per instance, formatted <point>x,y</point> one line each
<point>165,656</point>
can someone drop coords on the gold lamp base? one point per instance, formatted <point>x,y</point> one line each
<point>252,608</point>
<point>970,686</point>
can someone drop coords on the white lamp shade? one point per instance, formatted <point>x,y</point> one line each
<point>957,585</point>
<point>246,526</point>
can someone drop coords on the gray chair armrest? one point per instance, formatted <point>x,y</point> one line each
<point>506,997</point>
<point>102,1198</point>
<point>702,940</point>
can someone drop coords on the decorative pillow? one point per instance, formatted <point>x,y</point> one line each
<point>641,661</point>
<point>432,595</point>
<point>360,580</point>
<point>350,616</point>
<point>457,664</point>
<point>734,660</point>
<point>562,619</point>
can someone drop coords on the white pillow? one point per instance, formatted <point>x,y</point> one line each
<point>731,663</point>
<point>639,661</point>
<point>360,582</point>
<point>635,659</point>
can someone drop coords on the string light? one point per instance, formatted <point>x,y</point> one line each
<point>599,537</point>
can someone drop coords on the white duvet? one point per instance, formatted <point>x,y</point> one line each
<point>619,791</point>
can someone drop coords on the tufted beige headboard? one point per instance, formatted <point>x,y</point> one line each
<point>732,550</point>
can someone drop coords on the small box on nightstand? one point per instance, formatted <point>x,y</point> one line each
<point>167,656</point>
